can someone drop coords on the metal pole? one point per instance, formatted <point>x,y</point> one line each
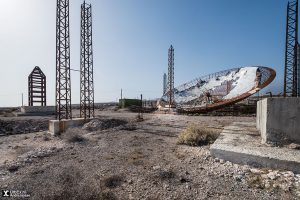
<point>141,106</point>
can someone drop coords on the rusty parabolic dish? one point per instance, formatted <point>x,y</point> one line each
<point>220,89</point>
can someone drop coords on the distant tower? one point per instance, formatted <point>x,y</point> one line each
<point>87,109</point>
<point>165,84</point>
<point>171,76</point>
<point>63,75</point>
<point>37,87</point>
<point>291,51</point>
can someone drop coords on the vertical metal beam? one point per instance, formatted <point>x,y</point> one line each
<point>63,75</point>
<point>165,84</point>
<point>298,73</point>
<point>87,109</point>
<point>171,76</point>
<point>291,51</point>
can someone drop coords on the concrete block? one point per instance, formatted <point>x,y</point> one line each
<point>278,120</point>
<point>57,127</point>
<point>37,110</point>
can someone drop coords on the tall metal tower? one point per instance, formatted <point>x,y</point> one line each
<point>87,109</point>
<point>171,76</point>
<point>291,50</point>
<point>165,84</point>
<point>298,63</point>
<point>63,82</point>
<point>37,87</point>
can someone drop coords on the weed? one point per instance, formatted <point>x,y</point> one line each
<point>256,181</point>
<point>46,138</point>
<point>74,135</point>
<point>113,181</point>
<point>195,135</point>
<point>166,174</point>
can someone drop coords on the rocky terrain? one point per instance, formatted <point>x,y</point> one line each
<point>11,126</point>
<point>117,156</point>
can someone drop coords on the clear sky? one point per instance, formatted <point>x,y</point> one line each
<point>131,40</point>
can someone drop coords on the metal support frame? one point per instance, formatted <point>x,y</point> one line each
<point>63,75</point>
<point>36,87</point>
<point>165,84</point>
<point>298,63</point>
<point>171,100</point>
<point>87,109</point>
<point>291,51</point>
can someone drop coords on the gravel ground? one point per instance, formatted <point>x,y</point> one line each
<point>128,159</point>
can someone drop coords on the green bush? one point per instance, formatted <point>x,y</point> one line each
<point>195,135</point>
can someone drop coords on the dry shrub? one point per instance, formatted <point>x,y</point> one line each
<point>113,181</point>
<point>166,174</point>
<point>8,114</point>
<point>74,135</point>
<point>63,181</point>
<point>255,181</point>
<point>68,183</point>
<point>46,138</point>
<point>136,157</point>
<point>195,135</point>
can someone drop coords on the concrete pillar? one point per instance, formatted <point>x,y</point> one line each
<point>278,120</point>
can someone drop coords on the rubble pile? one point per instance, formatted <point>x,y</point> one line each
<point>10,127</point>
<point>102,124</point>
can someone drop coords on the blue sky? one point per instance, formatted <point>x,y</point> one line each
<point>131,40</point>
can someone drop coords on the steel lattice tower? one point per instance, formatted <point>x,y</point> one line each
<point>298,62</point>
<point>63,82</point>
<point>165,84</point>
<point>37,87</point>
<point>171,76</point>
<point>291,50</point>
<point>86,63</point>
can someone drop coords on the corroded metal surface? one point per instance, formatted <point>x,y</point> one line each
<point>218,96</point>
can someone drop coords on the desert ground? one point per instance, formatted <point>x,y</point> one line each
<point>118,156</point>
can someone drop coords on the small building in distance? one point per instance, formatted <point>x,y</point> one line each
<point>125,103</point>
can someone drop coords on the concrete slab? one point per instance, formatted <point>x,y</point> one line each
<point>57,127</point>
<point>36,111</point>
<point>241,143</point>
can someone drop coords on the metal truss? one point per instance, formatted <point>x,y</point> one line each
<point>291,49</point>
<point>171,100</point>
<point>165,84</point>
<point>63,81</point>
<point>37,87</point>
<point>87,109</point>
<point>298,63</point>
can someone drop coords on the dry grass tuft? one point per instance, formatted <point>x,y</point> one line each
<point>195,135</point>
<point>66,183</point>
<point>255,181</point>
<point>113,181</point>
<point>8,114</point>
<point>166,174</point>
<point>136,157</point>
<point>46,138</point>
<point>74,135</point>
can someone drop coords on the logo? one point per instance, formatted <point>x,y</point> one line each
<point>5,193</point>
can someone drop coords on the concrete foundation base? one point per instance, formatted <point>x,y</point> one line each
<point>278,120</point>
<point>241,143</point>
<point>36,111</point>
<point>57,127</point>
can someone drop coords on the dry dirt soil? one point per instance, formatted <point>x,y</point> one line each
<point>126,159</point>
